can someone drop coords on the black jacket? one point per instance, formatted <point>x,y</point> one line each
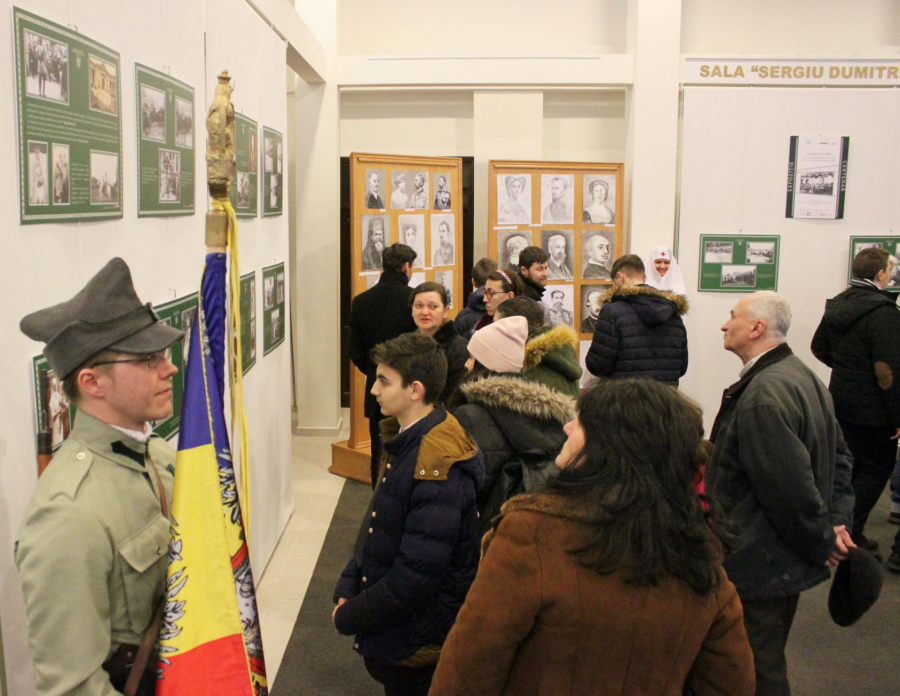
<point>531,289</point>
<point>378,315</point>
<point>457,354</point>
<point>781,471</point>
<point>640,334</point>
<point>471,313</point>
<point>859,339</point>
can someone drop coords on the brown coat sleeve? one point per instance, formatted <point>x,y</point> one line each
<point>499,612</point>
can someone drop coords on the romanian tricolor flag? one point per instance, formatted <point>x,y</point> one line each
<point>210,641</point>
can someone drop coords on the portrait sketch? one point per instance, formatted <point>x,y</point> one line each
<point>509,245</point>
<point>418,196</point>
<point>104,177</point>
<point>738,276</point>
<point>153,114</point>
<point>443,243</point>
<point>417,279</point>
<point>560,303</point>
<point>269,154</point>
<point>243,190</point>
<point>557,198</point>
<point>60,175</point>
<point>184,123</point>
<point>442,196</point>
<point>401,183</point>
<point>760,252</point>
<point>269,292</point>
<point>412,234</point>
<point>587,379</point>
<point>279,288</point>
<point>38,175</point>
<point>445,278</point>
<point>560,250</point>
<point>513,199</point>
<point>590,306</point>
<point>47,68</point>
<point>598,199</point>
<point>169,176</point>
<point>374,194</point>
<point>104,82</point>
<point>718,252</point>
<point>597,255</point>
<point>376,235</point>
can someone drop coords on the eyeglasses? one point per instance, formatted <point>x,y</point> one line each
<point>488,294</point>
<point>153,360</point>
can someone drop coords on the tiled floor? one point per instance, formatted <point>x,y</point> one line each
<point>283,586</point>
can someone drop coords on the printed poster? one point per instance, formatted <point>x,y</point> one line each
<point>273,172</point>
<point>245,187</point>
<point>248,321</point>
<point>165,143</point>
<point>273,307</point>
<point>731,263</point>
<point>69,118</point>
<point>817,177</point>
<point>52,411</point>
<point>892,244</point>
<point>179,314</point>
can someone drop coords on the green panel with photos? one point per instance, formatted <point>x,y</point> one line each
<point>179,314</point>
<point>52,411</point>
<point>273,307</point>
<point>245,187</point>
<point>68,89</point>
<point>273,172</point>
<point>891,244</point>
<point>248,321</point>
<point>165,143</point>
<point>738,263</point>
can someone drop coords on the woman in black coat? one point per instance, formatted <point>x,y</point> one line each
<point>429,311</point>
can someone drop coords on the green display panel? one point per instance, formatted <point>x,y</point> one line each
<point>179,314</point>
<point>273,172</point>
<point>245,187</point>
<point>52,411</point>
<point>273,307</point>
<point>891,244</point>
<point>738,263</point>
<point>165,143</point>
<point>69,115</point>
<point>248,321</point>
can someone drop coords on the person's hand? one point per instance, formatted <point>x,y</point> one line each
<point>340,601</point>
<point>842,544</point>
<point>896,435</point>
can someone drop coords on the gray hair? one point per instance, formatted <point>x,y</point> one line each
<point>773,309</point>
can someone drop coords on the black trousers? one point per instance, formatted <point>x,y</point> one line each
<point>768,622</point>
<point>375,436</point>
<point>874,453</point>
<point>401,681</point>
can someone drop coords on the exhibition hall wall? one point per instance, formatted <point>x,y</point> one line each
<point>45,264</point>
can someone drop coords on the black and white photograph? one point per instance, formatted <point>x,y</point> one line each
<point>253,297</point>
<point>187,323</point>
<point>269,153</point>
<point>738,276</point>
<point>443,247</point>
<point>60,176</point>
<point>279,288</point>
<point>557,198</point>
<point>153,114</point>
<point>375,189</point>
<point>38,174</point>
<point>184,123</point>
<point>254,152</point>
<point>269,292</point>
<point>104,82</point>
<point>273,190</point>
<point>560,303</point>
<point>418,196</point>
<point>760,252</point>
<point>57,410</point>
<point>376,235</point>
<point>560,248</point>
<point>442,198</point>
<point>818,182</point>
<point>104,177</point>
<point>47,69</point>
<point>412,234</point>
<point>400,179</point>
<point>276,324</point>
<point>718,252</point>
<point>859,246</point>
<point>416,279</point>
<point>445,279</point>
<point>169,176</point>
<point>279,158</point>
<point>598,198</point>
<point>894,282</point>
<point>587,379</point>
<point>243,190</point>
<point>509,246</point>
<point>590,306</point>
<point>513,199</point>
<point>597,255</point>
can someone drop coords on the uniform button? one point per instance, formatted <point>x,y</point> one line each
<point>436,472</point>
<point>364,579</point>
<point>384,479</point>
<point>356,646</point>
<point>370,530</point>
<point>373,513</point>
<point>80,456</point>
<point>422,472</point>
<point>388,466</point>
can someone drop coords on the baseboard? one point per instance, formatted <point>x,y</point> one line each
<point>320,432</point>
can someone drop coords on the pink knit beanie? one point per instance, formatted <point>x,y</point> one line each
<point>500,346</point>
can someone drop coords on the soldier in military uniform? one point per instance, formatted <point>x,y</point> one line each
<point>91,550</point>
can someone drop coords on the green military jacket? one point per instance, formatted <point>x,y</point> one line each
<point>91,553</point>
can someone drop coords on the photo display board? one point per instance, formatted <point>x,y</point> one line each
<point>738,263</point>
<point>52,411</point>
<point>273,172</point>
<point>573,211</point>
<point>69,117</point>
<point>179,314</point>
<point>817,177</point>
<point>165,143</point>
<point>892,244</point>
<point>273,307</point>
<point>245,187</point>
<point>248,320</point>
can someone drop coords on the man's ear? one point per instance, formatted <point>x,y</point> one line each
<point>89,383</point>
<point>759,328</point>
<point>417,392</point>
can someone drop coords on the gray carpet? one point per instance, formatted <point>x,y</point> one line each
<point>823,658</point>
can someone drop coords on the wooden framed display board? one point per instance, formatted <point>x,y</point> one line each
<point>572,210</point>
<point>416,201</point>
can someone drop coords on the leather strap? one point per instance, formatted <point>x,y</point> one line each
<point>159,485</point>
<point>148,642</point>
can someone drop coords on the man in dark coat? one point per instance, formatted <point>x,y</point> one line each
<point>377,315</point>
<point>532,271</point>
<point>859,339</point>
<point>474,309</point>
<point>639,332</point>
<point>781,471</point>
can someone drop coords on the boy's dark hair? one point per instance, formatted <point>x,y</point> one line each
<point>418,358</point>
<point>531,255</point>
<point>394,256</point>
<point>429,287</point>
<point>482,269</point>
<point>523,307</point>
<point>869,261</point>
<point>629,264</point>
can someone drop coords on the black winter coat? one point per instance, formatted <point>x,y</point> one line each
<point>378,315</point>
<point>518,425</point>
<point>859,339</point>
<point>457,353</point>
<point>417,550</point>
<point>640,334</point>
<point>531,289</point>
<point>781,471</point>
<point>471,313</point>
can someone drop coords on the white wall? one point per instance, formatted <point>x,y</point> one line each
<point>584,126</point>
<point>45,264</point>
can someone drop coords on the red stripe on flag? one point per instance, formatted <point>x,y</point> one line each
<point>217,668</point>
<point>239,557</point>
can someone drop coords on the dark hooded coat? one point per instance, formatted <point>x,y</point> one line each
<point>471,313</point>
<point>550,359</point>
<point>457,354</point>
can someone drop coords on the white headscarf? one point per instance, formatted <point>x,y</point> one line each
<point>672,280</point>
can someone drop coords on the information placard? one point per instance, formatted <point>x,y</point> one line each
<point>179,314</point>
<point>273,307</point>
<point>273,172</point>
<point>817,177</point>
<point>69,116</point>
<point>738,263</point>
<point>891,244</point>
<point>248,321</point>
<point>245,187</point>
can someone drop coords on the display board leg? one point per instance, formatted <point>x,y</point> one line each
<point>350,462</point>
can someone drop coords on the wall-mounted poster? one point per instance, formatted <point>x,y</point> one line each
<point>892,244</point>
<point>248,321</point>
<point>510,245</point>
<point>558,199</point>
<point>560,303</point>
<point>412,234</point>
<point>69,124</point>
<point>179,314</point>
<point>165,143</point>
<point>53,413</point>
<point>817,177</point>
<point>273,172</point>
<point>376,235</point>
<point>443,235</point>
<point>375,188</point>
<point>443,197</point>
<point>513,199</point>
<point>561,252</point>
<point>245,187</point>
<point>273,307</point>
<point>598,198</point>
<point>731,263</point>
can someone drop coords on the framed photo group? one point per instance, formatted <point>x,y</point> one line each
<point>735,263</point>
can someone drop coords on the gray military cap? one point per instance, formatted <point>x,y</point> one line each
<point>106,314</point>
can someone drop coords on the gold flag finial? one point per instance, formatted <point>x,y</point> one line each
<point>219,158</point>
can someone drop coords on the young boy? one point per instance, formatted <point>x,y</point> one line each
<point>417,550</point>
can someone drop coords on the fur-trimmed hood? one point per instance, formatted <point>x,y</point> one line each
<point>543,344</point>
<point>653,306</point>
<point>512,393</point>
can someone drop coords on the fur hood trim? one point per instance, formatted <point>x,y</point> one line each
<point>634,290</point>
<point>547,342</point>
<point>513,393</point>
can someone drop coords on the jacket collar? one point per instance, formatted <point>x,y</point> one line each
<point>530,283</point>
<point>392,277</point>
<point>621,292</point>
<point>513,393</point>
<point>400,443</point>
<point>104,440</point>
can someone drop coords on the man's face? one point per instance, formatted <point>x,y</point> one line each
<point>537,273</point>
<point>373,183</point>
<point>557,299</point>
<point>444,231</point>
<point>136,393</point>
<point>557,248</point>
<point>420,182</point>
<point>884,277</point>
<point>393,398</point>
<point>557,189</point>
<point>514,246</point>
<point>594,302</point>
<point>378,237</point>
<point>599,249</point>
<point>739,330</point>
<point>442,182</point>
